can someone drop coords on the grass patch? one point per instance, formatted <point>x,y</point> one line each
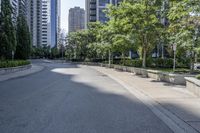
<point>15,63</point>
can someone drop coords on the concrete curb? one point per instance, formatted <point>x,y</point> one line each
<point>193,85</point>
<point>19,74</point>
<point>176,124</point>
<point>176,79</point>
<point>4,71</point>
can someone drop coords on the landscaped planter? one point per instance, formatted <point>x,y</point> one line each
<point>193,85</point>
<point>178,79</point>
<point>4,71</point>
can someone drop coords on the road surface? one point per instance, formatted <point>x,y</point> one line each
<point>67,98</point>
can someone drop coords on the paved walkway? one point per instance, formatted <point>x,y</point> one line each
<point>33,69</point>
<point>175,104</point>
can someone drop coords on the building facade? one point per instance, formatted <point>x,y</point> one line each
<point>43,19</point>
<point>76,19</point>
<point>95,10</point>
<point>34,18</point>
<point>15,9</point>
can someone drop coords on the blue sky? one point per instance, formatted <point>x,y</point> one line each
<point>65,6</point>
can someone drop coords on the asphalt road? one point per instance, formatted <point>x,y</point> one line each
<point>66,98</point>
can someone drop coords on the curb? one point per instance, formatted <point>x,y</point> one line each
<point>176,124</point>
<point>4,71</point>
<point>20,74</point>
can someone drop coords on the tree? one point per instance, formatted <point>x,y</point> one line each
<point>23,49</point>
<point>184,27</point>
<point>54,52</point>
<point>138,19</point>
<point>7,33</point>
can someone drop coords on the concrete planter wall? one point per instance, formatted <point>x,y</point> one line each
<point>178,79</point>
<point>4,71</point>
<point>193,85</point>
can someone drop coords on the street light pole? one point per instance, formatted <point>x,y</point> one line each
<point>109,58</point>
<point>13,53</point>
<point>174,49</point>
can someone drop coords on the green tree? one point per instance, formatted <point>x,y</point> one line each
<point>7,33</point>
<point>23,49</point>
<point>54,52</point>
<point>139,20</point>
<point>184,27</point>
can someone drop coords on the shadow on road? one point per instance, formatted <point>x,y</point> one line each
<point>67,98</point>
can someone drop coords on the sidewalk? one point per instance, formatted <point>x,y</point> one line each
<point>33,69</point>
<point>176,106</point>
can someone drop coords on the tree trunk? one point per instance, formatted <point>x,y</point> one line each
<point>144,58</point>
<point>192,63</point>
<point>123,58</point>
<point>163,51</point>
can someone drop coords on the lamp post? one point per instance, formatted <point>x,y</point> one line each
<point>13,54</point>
<point>174,49</point>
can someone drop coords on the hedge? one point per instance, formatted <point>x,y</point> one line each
<point>154,63</point>
<point>16,63</point>
<point>198,77</point>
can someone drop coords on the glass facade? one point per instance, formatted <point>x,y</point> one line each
<point>103,2</point>
<point>102,15</point>
<point>53,23</point>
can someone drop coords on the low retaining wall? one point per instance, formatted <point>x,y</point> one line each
<point>193,85</point>
<point>4,71</point>
<point>178,79</point>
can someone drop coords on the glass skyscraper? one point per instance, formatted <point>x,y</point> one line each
<point>50,22</point>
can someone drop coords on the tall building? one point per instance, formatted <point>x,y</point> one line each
<point>43,19</point>
<point>22,7</point>
<point>95,10</point>
<point>76,19</point>
<point>34,17</point>
<point>55,21</point>
<point>15,9</point>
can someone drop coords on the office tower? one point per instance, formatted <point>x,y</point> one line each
<point>50,22</point>
<point>15,7</point>
<point>22,4</point>
<point>95,10</point>
<point>76,19</point>
<point>45,21</point>
<point>55,21</point>
<point>34,17</point>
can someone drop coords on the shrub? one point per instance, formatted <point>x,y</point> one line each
<point>198,77</point>
<point>160,63</point>
<point>183,63</point>
<point>6,64</point>
<point>133,63</point>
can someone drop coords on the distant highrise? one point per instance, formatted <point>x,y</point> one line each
<point>15,8</point>
<point>43,19</point>
<point>76,19</point>
<point>50,22</point>
<point>22,7</point>
<point>34,17</point>
<point>95,10</point>
<point>55,22</point>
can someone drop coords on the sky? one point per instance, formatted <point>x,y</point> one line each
<point>65,6</point>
